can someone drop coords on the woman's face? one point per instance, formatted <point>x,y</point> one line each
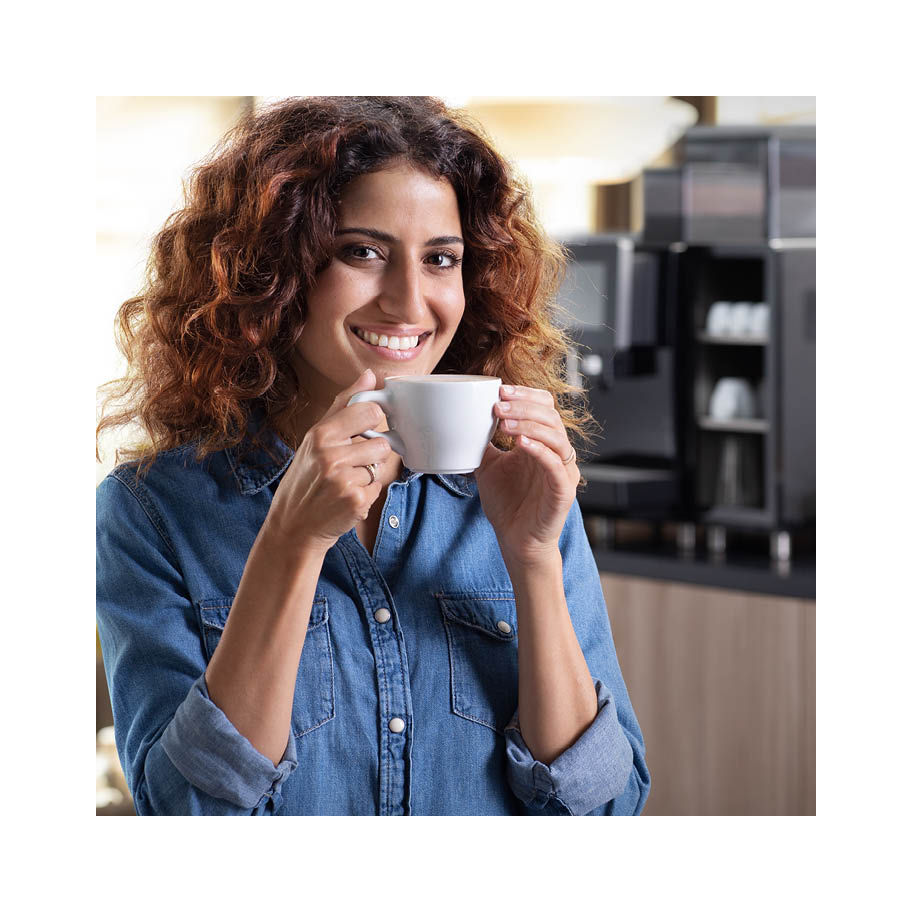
<point>396,271</point>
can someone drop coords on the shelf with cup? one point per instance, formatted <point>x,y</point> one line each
<point>726,293</point>
<point>728,389</point>
<point>712,339</point>
<point>749,379</point>
<point>737,425</point>
<point>731,475</point>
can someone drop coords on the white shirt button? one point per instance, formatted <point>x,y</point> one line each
<point>394,522</point>
<point>381,615</point>
<point>396,725</point>
<point>504,627</point>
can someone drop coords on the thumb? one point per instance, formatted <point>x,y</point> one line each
<point>367,381</point>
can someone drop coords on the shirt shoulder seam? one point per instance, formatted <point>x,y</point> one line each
<point>142,497</point>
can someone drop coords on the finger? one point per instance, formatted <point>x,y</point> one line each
<point>519,409</point>
<point>354,420</point>
<point>359,453</point>
<point>551,460</point>
<point>359,476</point>
<point>554,440</point>
<point>349,463</point>
<point>528,393</point>
<point>367,381</point>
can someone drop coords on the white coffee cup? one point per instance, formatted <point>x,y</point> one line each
<point>759,319</point>
<point>718,320</point>
<point>732,397</point>
<point>741,318</point>
<point>439,423</point>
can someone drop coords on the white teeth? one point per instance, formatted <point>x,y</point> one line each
<point>394,343</point>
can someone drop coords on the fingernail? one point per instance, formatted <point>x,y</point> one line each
<point>507,389</point>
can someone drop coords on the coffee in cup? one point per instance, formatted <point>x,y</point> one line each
<point>439,423</point>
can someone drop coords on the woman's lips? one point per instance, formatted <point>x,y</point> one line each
<point>389,354</point>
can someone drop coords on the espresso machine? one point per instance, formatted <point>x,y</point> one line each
<point>731,224</point>
<point>617,303</point>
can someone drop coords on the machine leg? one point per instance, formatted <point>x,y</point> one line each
<point>600,530</point>
<point>781,546</point>
<point>715,540</point>
<point>687,537</point>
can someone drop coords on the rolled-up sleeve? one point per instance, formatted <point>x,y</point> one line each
<point>180,754</point>
<point>209,752</point>
<point>597,765</point>
<point>604,771</point>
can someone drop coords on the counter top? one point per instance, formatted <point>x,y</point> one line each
<point>747,573</point>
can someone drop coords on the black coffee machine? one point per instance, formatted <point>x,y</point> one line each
<point>618,303</point>
<point>734,221</point>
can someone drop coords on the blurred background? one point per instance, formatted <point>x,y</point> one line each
<point>691,300</point>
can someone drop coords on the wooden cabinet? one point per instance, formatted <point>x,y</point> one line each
<point>723,685</point>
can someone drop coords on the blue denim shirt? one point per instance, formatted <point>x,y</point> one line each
<point>171,548</point>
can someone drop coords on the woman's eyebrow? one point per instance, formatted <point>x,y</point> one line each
<point>389,239</point>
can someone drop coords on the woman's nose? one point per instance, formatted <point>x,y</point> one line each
<point>404,291</point>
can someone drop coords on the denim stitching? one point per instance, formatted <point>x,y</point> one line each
<point>385,728</point>
<point>479,596</point>
<point>400,641</point>
<point>253,479</point>
<point>379,660</point>
<point>216,623</point>
<point>446,630</point>
<point>473,594</point>
<point>332,688</point>
<point>148,507</point>
<point>451,647</point>
<point>454,484</point>
<point>552,796</point>
<point>382,658</point>
<point>499,635</point>
<point>215,603</point>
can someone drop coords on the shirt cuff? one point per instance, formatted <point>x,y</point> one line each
<point>210,753</point>
<point>591,772</point>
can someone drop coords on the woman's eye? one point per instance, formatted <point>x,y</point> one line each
<point>445,260</point>
<point>361,252</point>
<point>367,254</point>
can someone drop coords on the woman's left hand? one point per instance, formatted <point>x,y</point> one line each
<point>527,493</point>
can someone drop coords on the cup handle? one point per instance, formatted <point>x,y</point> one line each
<point>382,399</point>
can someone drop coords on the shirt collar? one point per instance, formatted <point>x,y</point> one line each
<point>257,467</point>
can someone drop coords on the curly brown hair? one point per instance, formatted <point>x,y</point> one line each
<point>211,336</point>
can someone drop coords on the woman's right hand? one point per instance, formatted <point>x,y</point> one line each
<point>324,491</point>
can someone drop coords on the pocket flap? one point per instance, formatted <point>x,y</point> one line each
<point>490,611</point>
<point>214,612</point>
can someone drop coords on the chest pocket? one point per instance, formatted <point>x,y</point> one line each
<point>484,664</point>
<point>314,699</point>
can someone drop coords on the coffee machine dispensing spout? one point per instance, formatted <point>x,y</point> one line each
<point>594,366</point>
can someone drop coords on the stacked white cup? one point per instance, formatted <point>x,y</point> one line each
<point>738,319</point>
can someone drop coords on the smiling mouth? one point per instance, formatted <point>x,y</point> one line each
<point>369,338</point>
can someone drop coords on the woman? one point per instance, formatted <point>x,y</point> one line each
<point>292,621</point>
